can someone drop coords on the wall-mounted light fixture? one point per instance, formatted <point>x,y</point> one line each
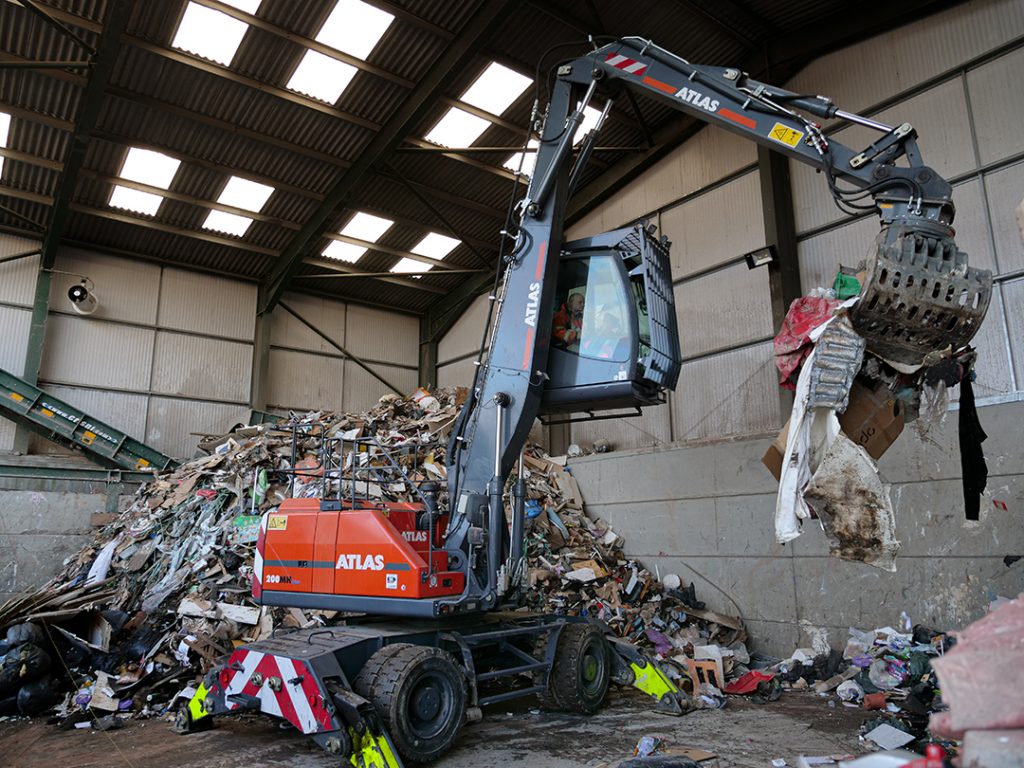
<point>760,257</point>
<point>82,295</point>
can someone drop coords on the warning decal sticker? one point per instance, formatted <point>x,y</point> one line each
<point>785,135</point>
<point>277,522</point>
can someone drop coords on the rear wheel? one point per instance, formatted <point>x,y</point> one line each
<point>580,676</point>
<point>420,694</point>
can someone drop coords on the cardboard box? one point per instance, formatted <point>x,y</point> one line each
<point>873,420</point>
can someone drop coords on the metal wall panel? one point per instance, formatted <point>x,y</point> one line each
<point>18,278</point>
<point>715,227</point>
<point>123,410</point>
<point>942,119</point>
<point>459,374</point>
<point>734,393</point>
<point>172,422</point>
<point>995,372</point>
<point>973,234</point>
<point>1005,192</point>
<point>1013,297</point>
<point>362,390</point>
<point>328,316</point>
<point>14,325</point>
<point>375,334</point>
<point>91,352</point>
<point>864,74</point>
<point>709,156</point>
<point>200,367</point>
<point>997,100</point>
<point>723,308</point>
<point>304,381</point>
<point>203,303</point>
<point>821,255</point>
<point>465,335</point>
<point>14,328</point>
<point>127,290</point>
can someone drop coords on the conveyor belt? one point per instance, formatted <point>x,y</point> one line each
<point>56,420</point>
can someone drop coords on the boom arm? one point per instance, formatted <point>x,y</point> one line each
<point>913,201</point>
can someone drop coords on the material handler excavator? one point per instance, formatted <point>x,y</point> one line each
<point>435,582</point>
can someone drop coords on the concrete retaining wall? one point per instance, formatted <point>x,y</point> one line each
<point>42,522</point>
<point>707,513</point>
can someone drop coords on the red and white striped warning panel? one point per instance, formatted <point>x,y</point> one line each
<point>257,565</point>
<point>626,64</point>
<point>297,698</point>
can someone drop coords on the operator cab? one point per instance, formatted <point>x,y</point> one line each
<point>614,342</point>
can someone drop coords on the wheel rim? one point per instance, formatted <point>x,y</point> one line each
<point>431,704</point>
<point>592,668</point>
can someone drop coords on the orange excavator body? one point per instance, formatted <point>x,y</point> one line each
<point>358,548</point>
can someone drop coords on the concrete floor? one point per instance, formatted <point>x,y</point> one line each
<point>744,734</point>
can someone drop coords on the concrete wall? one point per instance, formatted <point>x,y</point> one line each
<point>706,512</point>
<point>169,352</point>
<point>42,522</point>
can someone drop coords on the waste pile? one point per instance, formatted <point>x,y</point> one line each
<point>856,387</point>
<point>888,671</point>
<point>162,593</point>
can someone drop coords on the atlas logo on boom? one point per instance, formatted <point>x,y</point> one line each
<point>698,99</point>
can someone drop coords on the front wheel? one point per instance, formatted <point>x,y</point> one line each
<point>582,669</point>
<point>420,694</point>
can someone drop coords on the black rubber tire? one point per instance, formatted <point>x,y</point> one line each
<point>420,695</point>
<point>582,671</point>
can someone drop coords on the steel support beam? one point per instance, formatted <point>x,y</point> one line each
<point>779,230</point>
<point>422,98</point>
<point>780,234</point>
<point>428,355</point>
<point>260,378</point>
<point>88,111</point>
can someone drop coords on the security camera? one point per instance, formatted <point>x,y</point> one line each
<point>82,299</point>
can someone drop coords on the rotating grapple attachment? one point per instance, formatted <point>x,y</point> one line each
<point>919,295</point>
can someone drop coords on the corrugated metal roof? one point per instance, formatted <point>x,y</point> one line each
<point>241,119</point>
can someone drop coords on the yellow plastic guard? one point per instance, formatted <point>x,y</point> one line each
<point>372,751</point>
<point>651,680</point>
<point>196,710</point>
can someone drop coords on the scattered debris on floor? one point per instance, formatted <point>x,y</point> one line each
<point>856,386</point>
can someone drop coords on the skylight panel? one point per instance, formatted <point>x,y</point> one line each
<point>407,265</point>
<point>496,88</point>
<point>211,34</point>
<point>343,251</point>
<point>457,129</point>
<point>229,223</point>
<point>5,129</point>
<point>245,194</point>
<point>354,27</point>
<point>364,226</point>
<point>148,167</point>
<point>321,77</point>
<point>435,246</point>
<point>529,159</point>
<point>249,6</point>
<point>134,200</point>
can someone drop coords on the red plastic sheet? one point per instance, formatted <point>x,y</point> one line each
<point>792,342</point>
<point>749,682</point>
